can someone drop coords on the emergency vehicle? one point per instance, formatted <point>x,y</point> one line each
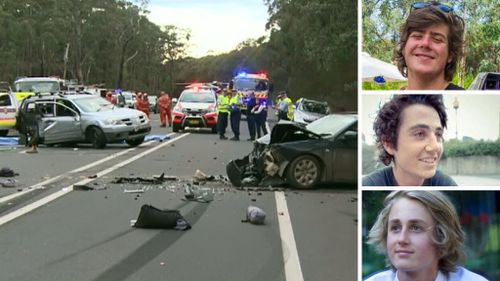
<point>28,86</point>
<point>244,83</point>
<point>196,107</point>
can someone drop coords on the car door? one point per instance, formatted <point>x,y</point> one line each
<point>345,156</point>
<point>60,123</point>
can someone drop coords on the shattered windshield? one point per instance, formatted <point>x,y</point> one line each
<point>315,107</point>
<point>331,124</point>
<point>93,104</point>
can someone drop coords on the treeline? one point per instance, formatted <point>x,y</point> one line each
<point>311,52</point>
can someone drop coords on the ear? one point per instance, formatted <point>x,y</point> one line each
<point>388,147</point>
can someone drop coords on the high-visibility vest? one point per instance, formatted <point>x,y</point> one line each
<point>223,104</point>
<point>235,102</point>
<point>289,113</point>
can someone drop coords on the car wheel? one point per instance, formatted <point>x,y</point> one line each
<point>135,142</point>
<point>175,128</point>
<point>96,137</point>
<point>304,172</point>
<point>3,133</point>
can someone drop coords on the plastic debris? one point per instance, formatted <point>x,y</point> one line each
<point>8,183</point>
<point>255,215</point>
<point>139,190</point>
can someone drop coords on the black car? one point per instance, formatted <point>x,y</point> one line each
<point>302,156</point>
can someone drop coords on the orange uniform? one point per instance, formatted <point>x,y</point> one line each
<point>164,104</point>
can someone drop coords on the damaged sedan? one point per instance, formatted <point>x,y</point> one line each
<point>302,156</point>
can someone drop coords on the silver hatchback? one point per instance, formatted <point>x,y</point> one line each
<point>86,118</point>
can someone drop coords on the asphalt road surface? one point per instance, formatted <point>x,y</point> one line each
<point>51,231</point>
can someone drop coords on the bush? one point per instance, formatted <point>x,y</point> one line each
<point>471,148</point>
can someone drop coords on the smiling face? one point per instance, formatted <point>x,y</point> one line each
<point>409,239</point>
<point>419,145</point>
<point>426,52</point>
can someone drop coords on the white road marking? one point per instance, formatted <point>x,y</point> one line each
<point>28,208</point>
<point>293,271</point>
<point>41,185</point>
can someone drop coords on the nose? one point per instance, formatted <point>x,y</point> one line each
<point>425,42</point>
<point>403,237</point>
<point>433,144</point>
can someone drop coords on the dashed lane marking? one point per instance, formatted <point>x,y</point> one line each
<point>28,208</point>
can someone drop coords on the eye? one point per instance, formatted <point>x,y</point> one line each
<point>438,39</point>
<point>419,134</point>
<point>395,228</point>
<point>439,136</point>
<point>416,228</point>
<point>416,35</point>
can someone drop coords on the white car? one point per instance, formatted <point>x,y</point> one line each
<point>196,107</point>
<point>8,109</point>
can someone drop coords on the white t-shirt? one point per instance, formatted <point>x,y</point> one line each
<point>461,274</point>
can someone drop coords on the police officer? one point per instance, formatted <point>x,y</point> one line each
<point>285,108</point>
<point>235,104</point>
<point>251,117</point>
<point>223,113</point>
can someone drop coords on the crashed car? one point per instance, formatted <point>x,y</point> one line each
<point>307,111</point>
<point>302,156</point>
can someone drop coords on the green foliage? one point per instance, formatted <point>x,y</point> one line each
<point>471,148</point>
<point>385,86</point>
<point>381,20</point>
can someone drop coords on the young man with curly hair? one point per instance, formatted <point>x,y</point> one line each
<point>409,133</point>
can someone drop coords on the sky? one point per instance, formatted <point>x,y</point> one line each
<point>217,26</point>
<point>478,115</point>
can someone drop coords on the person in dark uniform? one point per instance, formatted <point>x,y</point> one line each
<point>251,117</point>
<point>31,119</point>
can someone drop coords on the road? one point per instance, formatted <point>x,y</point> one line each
<point>49,231</point>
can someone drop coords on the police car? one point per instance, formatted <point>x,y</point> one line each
<point>195,108</point>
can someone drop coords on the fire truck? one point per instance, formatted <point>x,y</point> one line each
<point>244,83</point>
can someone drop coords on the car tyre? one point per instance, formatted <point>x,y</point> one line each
<point>4,133</point>
<point>96,137</point>
<point>175,128</point>
<point>135,142</point>
<point>304,172</point>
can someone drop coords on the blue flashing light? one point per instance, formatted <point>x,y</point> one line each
<point>241,74</point>
<point>379,80</point>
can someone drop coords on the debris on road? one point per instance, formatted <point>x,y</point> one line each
<point>140,190</point>
<point>203,195</point>
<point>8,183</point>
<point>7,172</point>
<point>152,217</point>
<point>154,180</point>
<point>255,215</point>
<point>86,187</point>
<point>159,138</point>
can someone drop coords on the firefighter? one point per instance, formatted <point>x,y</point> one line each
<point>145,104</point>
<point>223,112</point>
<point>140,105</point>
<point>235,105</point>
<point>164,103</point>
<point>109,96</point>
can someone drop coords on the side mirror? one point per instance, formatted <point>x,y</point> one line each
<point>174,100</point>
<point>350,136</point>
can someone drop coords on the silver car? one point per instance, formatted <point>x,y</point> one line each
<point>86,118</point>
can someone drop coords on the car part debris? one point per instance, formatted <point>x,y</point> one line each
<point>140,190</point>
<point>152,217</point>
<point>154,180</point>
<point>203,195</point>
<point>8,183</point>
<point>7,172</point>
<point>85,187</point>
<point>255,215</point>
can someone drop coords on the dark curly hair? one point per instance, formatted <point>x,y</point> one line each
<point>423,18</point>
<point>388,120</point>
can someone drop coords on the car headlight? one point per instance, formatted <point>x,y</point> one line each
<point>113,122</point>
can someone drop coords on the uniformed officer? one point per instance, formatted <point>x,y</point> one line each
<point>285,108</point>
<point>235,104</point>
<point>222,113</point>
